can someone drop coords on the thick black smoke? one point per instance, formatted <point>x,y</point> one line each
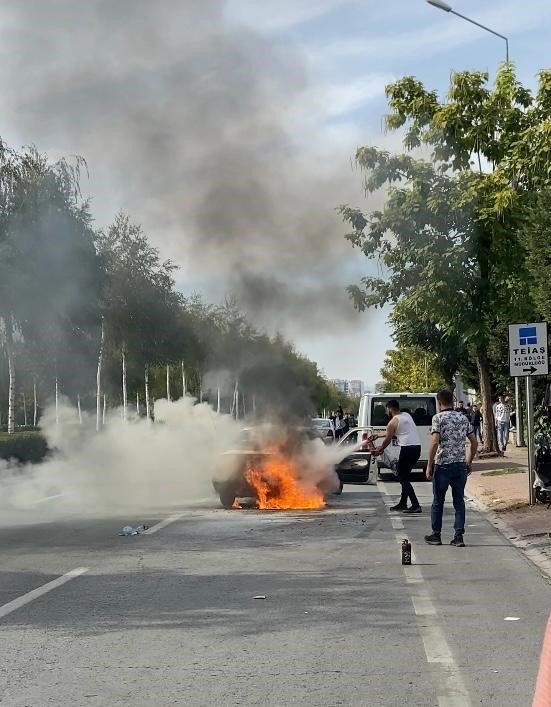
<point>183,117</point>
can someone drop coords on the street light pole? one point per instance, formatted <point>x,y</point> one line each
<point>441,5</point>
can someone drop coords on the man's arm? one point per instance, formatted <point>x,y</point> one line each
<point>390,432</point>
<point>434,442</point>
<point>472,451</point>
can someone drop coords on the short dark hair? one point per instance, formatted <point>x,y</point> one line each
<point>393,404</point>
<point>445,397</point>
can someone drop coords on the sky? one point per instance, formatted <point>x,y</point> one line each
<point>228,129</point>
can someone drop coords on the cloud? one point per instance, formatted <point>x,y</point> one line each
<point>270,17</point>
<point>433,36</point>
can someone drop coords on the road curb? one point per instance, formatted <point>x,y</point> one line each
<point>537,557</point>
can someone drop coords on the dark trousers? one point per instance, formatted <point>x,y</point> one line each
<point>477,429</point>
<point>446,475</point>
<point>409,456</point>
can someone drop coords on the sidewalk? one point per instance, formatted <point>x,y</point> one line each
<point>501,486</point>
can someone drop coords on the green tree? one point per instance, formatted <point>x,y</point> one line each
<point>448,235</point>
<point>141,308</point>
<point>410,369</point>
<point>537,238</point>
<point>50,275</point>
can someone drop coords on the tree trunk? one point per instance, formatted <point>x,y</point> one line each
<point>124,388</point>
<point>147,406</point>
<point>35,406</point>
<point>24,410</point>
<point>490,439</point>
<point>104,409</point>
<point>11,370</point>
<point>79,410</point>
<point>98,379</point>
<point>168,382</point>
<point>184,391</point>
<point>138,404</point>
<point>232,411</point>
<point>56,401</point>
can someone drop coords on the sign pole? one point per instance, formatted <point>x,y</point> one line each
<point>518,408</point>
<point>530,441</point>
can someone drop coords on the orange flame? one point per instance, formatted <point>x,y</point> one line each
<point>278,486</point>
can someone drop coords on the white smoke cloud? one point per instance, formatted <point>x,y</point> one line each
<point>139,466</point>
<point>129,467</point>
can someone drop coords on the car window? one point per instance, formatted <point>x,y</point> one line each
<point>422,410</point>
<point>352,438</point>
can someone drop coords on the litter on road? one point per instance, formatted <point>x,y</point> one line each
<point>129,530</point>
<point>260,596</point>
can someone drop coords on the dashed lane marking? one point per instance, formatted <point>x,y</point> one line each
<point>40,591</point>
<point>163,523</point>
<point>450,688</point>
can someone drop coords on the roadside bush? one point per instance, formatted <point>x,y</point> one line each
<point>24,447</point>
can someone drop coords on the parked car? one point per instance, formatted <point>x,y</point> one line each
<point>325,428</point>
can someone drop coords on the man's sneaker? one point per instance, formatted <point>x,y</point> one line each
<point>433,539</point>
<point>414,509</point>
<point>458,541</point>
<point>398,507</point>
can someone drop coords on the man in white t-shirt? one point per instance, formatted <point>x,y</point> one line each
<point>402,427</point>
<point>502,415</point>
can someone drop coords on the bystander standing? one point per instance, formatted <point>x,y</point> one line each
<point>503,422</point>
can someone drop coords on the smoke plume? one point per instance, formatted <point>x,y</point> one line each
<point>190,121</point>
<point>128,468</point>
<point>141,466</point>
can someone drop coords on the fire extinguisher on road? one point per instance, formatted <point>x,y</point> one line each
<point>406,552</point>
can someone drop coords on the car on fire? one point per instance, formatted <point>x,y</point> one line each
<point>245,472</point>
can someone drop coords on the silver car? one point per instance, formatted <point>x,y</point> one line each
<point>324,428</point>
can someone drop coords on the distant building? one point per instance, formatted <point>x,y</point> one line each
<point>341,385</point>
<point>354,388</point>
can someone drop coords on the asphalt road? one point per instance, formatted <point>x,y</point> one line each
<point>170,618</point>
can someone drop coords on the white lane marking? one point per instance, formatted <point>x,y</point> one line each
<point>163,523</point>
<point>48,498</point>
<point>436,647</point>
<point>39,591</point>
<point>422,603</point>
<point>512,618</point>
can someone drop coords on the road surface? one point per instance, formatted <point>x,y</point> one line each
<point>171,618</point>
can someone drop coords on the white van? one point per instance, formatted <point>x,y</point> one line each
<point>421,406</point>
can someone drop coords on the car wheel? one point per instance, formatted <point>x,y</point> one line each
<point>339,490</point>
<point>541,495</point>
<point>227,497</point>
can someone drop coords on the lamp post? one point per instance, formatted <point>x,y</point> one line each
<point>441,5</point>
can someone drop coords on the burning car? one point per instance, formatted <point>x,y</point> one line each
<point>278,469</point>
